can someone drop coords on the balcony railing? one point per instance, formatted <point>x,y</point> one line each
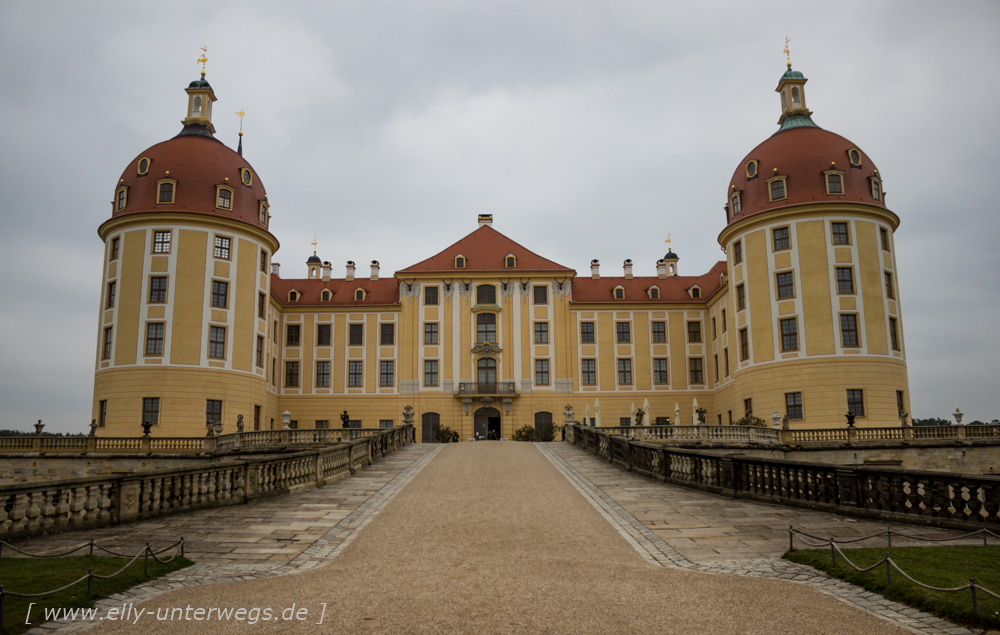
<point>494,388</point>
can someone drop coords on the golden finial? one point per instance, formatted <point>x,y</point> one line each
<point>788,54</point>
<point>668,242</point>
<point>314,244</point>
<point>203,59</point>
<point>241,115</point>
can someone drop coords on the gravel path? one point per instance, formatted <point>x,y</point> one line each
<point>488,537</point>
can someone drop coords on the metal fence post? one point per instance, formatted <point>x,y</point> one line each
<point>972,588</point>
<point>90,579</point>
<point>790,538</point>
<point>91,546</point>
<point>833,553</point>
<point>145,561</point>
<point>888,570</point>
<point>182,546</point>
<point>3,595</point>
<point>890,537</point>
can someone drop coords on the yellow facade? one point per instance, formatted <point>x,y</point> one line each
<point>370,346</point>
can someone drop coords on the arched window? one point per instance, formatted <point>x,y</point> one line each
<point>359,295</point>
<point>486,372</point>
<point>486,294</point>
<point>543,426</point>
<point>510,261</point>
<point>795,96</point>
<point>486,328</point>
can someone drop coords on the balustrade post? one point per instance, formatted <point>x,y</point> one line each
<point>908,433</point>
<point>318,469</point>
<point>144,445</point>
<point>961,432</point>
<point>785,437</point>
<point>36,444</point>
<point>847,487</point>
<point>91,444</point>
<point>728,476</point>
<point>350,458</point>
<point>852,435</point>
<point>661,470</point>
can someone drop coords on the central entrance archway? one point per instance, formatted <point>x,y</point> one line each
<point>487,424</point>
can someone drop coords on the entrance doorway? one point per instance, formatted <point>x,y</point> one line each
<point>487,424</point>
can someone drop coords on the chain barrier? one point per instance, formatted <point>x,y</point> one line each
<point>890,564</point>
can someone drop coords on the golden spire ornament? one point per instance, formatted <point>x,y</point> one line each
<point>314,244</point>
<point>788,54</point>
<point>203,59</point>
<point>669,248</point>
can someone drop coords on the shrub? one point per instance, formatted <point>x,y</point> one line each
<point>445,434</point>
<point>524,433</point>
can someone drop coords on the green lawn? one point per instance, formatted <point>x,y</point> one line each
<point>39,575</point>
<point>943,567</point>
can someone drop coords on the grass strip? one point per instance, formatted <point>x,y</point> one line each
<point>34,575</point>
<point>943,567</point>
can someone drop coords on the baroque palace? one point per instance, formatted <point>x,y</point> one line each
<point>197,325</point>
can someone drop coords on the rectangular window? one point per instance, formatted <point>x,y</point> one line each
<point>748,406</point>
<point>161,242</point>
<point>217,342</point>
<point>789,334</point>
<point>744,345</point>
<point>322,424</point>
<point>220,294</point>
<point>221,249</point>
<point>834,184</point>
<point>115,242</point>
<point>741,297</point>
<point>884,234</point>
<point>845,280</point>
<point>697,372</point>
<point>387,373</point>
<point>893,334</point>
<point>737,252</point>
<point>486,294</point>
<point>624,422</point>
<point>625,372</point>
<point>588,369</point>
<point>899,403</point>
<point>151,410</point>
<point>587,332</point>
<point>354,374</point>
<point>263,261</point>
<point>715,364</point>
<point>431,296</point>
<point>355,335</point>
<point>890,291</point>
<point>841,235</point>
<point>261,305</point>
<point>725,359</point>
<point>541,332</point>
<point>793,405</point>
<point>385,424</point>
<point>102,413</point>
<point>323,374</point>
<point>291,374</point>
<point>777,190</point>
<point>659,331</point>
<point>157,289</point>
<point>486,328</point>
<point>323,335</point>
<point>387,334</point>
<point>213,410</point>
<point>256,417</point>
<point>430,372</point>
<point>660,373</point>
<point>166,194</point>
<point>542,372</point>
<point>260,351</point>
<point>725,325</point>
<point>293,335</point>
<point>694,332</point>
<point>154,338</point>
<point>112,288</point>
<point>849,330</point>
<point>225,199</point>
<point>785,284</point>
<point>856,402</point>
<point>541,292</point>
<point>624,331</point>
<point>715,331</point>
<point>781,238</point>
<point>430,333</point>
<point>274,373</point>
<point>106,349</point>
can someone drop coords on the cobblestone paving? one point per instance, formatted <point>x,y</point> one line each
<point>271,537</point>
<point>672,526</point>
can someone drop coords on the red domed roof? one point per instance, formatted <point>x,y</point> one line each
<point>198,163</point>
<point>802,155</point>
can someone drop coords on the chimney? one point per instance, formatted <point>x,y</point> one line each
<point>327,267</point>
<point>627,266</point>
<point>485,219</point>
<point>595,269</point>
<point>350,271</point>
<point>275,268</point>
<point>661,268</point>
<point>374,270</point>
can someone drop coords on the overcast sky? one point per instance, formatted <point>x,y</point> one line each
<point>588,129</point>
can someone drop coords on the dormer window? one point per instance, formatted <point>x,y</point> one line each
<point>777,189</point>
<point>510,261</point>
<point>143,168</point>
<point>165,191</point>
<point>735,204</point>
<point>619,292</point>
<point>325,295</point>
<point>246,177</point>
<point>460,262</point>
<point>854,157</point>
<point>876,184</point>
<point>654,293</point>
<point>224,197</point>
<point>834,182</point>
<point>121,198</point>
<point>262,214</point>
<point>695,292</point>
<point>293,296</point>
<point>359,295</point>
<point>751,169</point>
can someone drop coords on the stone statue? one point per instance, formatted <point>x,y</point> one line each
<point>239,423</point>
<point>93,427</point>
<point>346,419</point>
<point>677,414</point>
<point>568,415</point>
<point>408,415</point>
<point>40,425</point>
<point>639,414</point>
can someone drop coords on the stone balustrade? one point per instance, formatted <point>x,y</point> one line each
<point>922,497</point>
<point>78,503</point>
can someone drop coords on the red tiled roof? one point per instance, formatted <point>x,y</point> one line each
<point>377,292</point>
<point>672,290</point>
<point>802,154</point>
<point>485,250</point>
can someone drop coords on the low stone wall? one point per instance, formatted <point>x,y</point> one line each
<point>31,509</point>
<point>911,496</point>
